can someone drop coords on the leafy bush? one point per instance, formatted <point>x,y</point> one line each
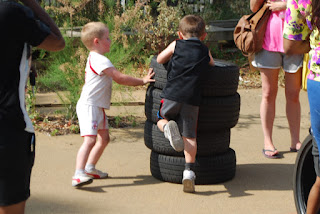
<point>154,32</point>
<point>143,29</point>
<point>65,72</point>
<point>211,10</point>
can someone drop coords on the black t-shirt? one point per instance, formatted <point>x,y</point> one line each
<point>188,62</point>
<point>18,28</point>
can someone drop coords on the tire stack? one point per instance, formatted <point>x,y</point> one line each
<point>218,113</point>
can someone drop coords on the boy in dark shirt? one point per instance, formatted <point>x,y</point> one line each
<point>182,94</point>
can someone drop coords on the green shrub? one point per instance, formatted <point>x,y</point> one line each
<point>152,24</point>
<point>65,72</point>
<point>211,10</point>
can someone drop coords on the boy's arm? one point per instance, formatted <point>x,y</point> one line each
<point>211,59</point>
<point>54,41</point>
<point>166,54</point>
<point>124,79</point>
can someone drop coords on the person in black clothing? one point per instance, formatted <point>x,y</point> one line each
<point>21,26</point>
<point>179,109</point>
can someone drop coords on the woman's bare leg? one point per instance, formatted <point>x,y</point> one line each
<point>293,109</point>
<point>269,78</point>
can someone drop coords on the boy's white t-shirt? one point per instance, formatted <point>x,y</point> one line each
<point>98,86</point>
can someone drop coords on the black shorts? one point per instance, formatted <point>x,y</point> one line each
<point>185,115</point>
<point>17,152</point>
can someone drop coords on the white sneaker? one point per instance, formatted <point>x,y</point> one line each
<point>80,180</point>
<point>188,181</point>
<point>171,132</point>
<point>96,174</point>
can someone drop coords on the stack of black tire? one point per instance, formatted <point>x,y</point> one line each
<point>218,113</point>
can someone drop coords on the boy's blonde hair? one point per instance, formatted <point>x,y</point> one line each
<point>192,26</point>
<point>91,31</point>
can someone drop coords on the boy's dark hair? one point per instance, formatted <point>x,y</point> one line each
<point>192,25</point>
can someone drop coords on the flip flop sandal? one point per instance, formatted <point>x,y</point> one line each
<point>294,150</point>
<point>275,156</point>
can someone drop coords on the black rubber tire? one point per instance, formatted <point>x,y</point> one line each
<point>208,170</point>
<point>215,113</point>
<point>152,103</point>
<point>218,113</point>
<point>160,73</point>
<point>220,80</point>
<point>304,175</point>
<point>208,143</point>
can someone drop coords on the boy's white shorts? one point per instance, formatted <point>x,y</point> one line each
<point>91,119</point>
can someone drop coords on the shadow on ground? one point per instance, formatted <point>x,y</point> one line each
<point>46,204</point>
<point>137,181</point>
<point>248,178</point>
<point>251,177</point>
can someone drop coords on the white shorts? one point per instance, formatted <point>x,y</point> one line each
<point>91,119</point>
<point>275,60</point>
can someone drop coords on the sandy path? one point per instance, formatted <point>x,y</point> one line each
<point>260,186</point>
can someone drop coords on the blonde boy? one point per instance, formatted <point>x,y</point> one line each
<point>95,97</point>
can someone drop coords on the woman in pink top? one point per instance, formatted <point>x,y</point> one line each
<point>269,61</point>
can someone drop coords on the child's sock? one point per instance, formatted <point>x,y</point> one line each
<point>79,172</point>
<point>189,166</point>
<point>90,167</point>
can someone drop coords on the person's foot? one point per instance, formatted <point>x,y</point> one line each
<point>273,154</point>
<point>188,181</point>
<point>296,147</point>
<point>80,180</point>
<point>96,174</point>
<point>171,132</point>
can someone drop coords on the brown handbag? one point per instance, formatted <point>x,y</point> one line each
<point>249,33</point>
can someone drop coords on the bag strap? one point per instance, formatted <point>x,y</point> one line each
<point>259,13</point>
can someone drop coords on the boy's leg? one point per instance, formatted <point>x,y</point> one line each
<point>81,178</point>
<point>190,151</point>
<point>170,109</point>
<point>84,151</point>
<point>95,154</point>
<point>172,133</point>
<point>161,123</point>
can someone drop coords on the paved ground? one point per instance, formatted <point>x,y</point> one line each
<point>260,186</point>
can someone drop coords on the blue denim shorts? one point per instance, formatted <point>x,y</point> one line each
<point>314,104</point>
<point>276,60</point>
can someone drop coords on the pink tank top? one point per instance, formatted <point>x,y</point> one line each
<point>273,39</point>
